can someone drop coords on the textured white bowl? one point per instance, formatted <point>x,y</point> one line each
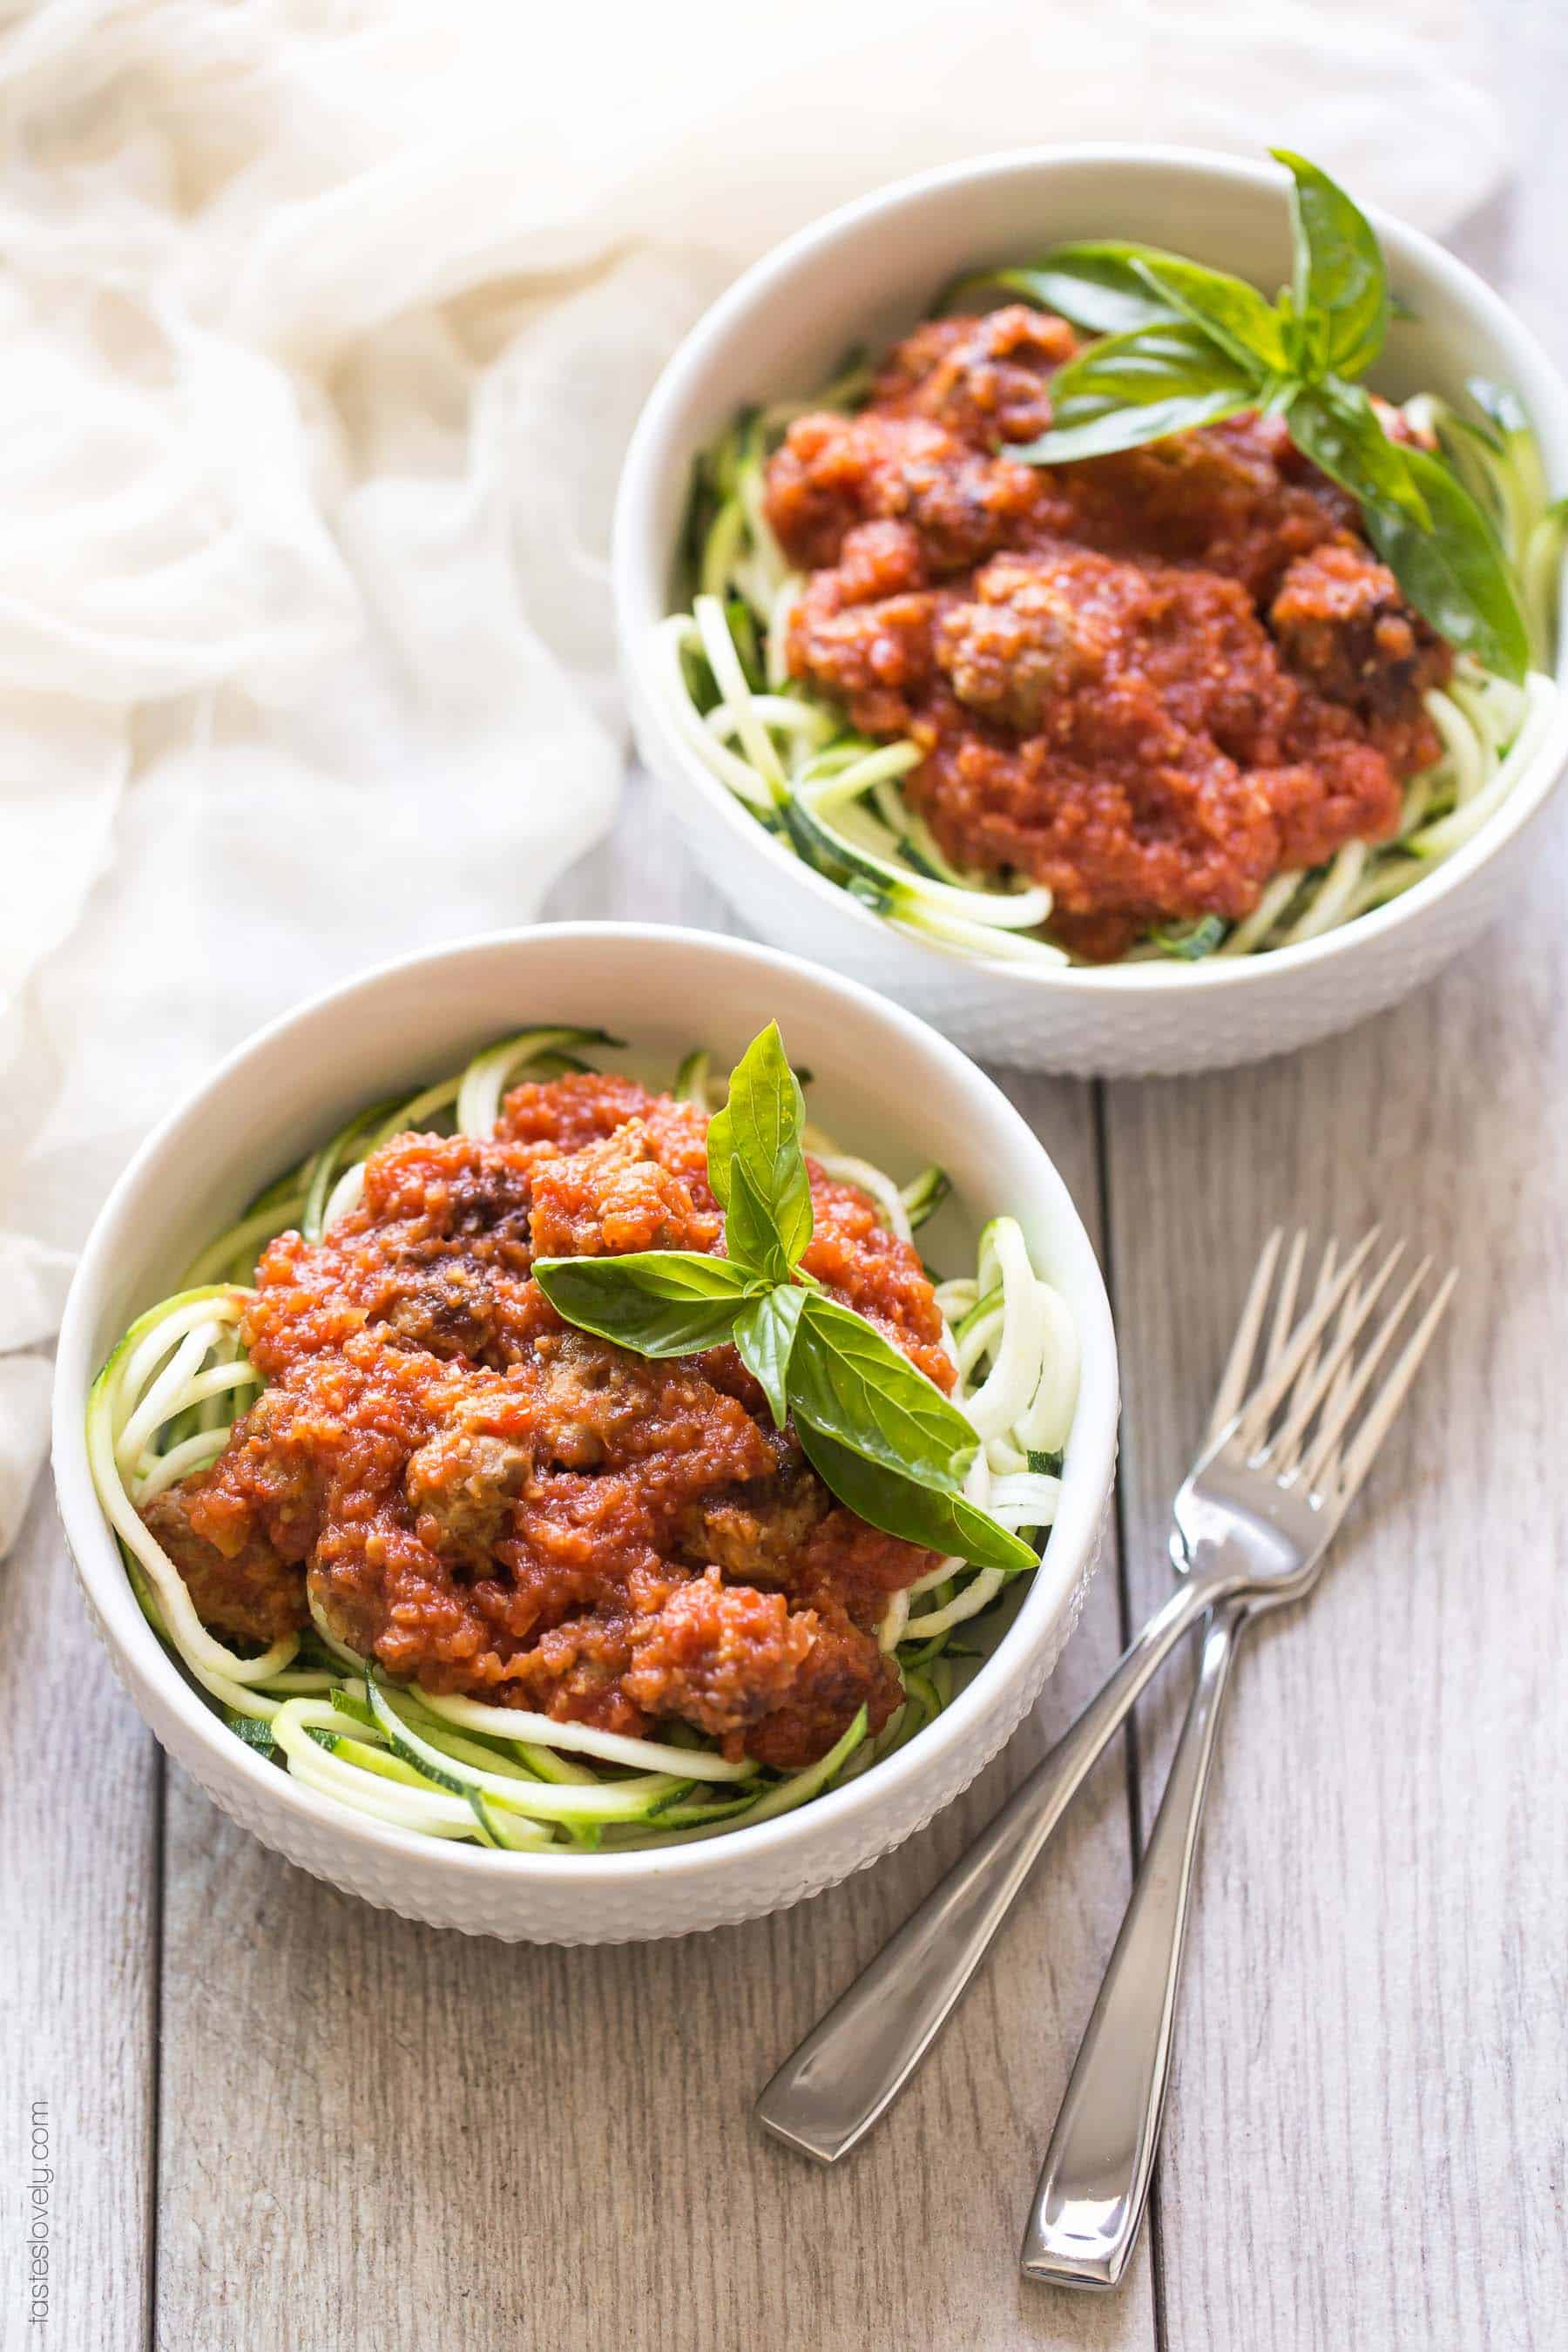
<point>863,275</point>
<point>885,1083</point>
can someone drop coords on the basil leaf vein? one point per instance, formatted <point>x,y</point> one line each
<point>751,1232</point>
<point>655,1302</point>
<point>764,1335</point>
<point>941,1522</point>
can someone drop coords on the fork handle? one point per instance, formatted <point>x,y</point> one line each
<point>1094,2183</point>
<point>849,2070</point>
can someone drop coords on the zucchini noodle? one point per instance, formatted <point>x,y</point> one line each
<point>834,798</point>
<point>504,1777</point>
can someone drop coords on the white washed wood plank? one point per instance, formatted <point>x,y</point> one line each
<point>77,1950</point>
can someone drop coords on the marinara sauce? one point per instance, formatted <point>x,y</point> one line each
<point>485,1500</point>
<point>1151,681</point>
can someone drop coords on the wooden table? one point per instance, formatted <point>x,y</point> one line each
<point>279,2119</point>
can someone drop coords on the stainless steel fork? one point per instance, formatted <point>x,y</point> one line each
<point>1251,1522</point>
<point>1272,1485</point>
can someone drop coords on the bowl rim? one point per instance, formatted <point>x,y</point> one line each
<point>640,567</point>
<point>1086,1478</point>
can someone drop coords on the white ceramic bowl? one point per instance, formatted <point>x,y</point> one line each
<point>884,1082</point>
<point>862,277</point>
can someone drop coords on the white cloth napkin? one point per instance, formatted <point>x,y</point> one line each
<point>324,329</point>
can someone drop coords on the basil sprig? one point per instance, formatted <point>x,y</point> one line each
<point>1183,345</point>
<point>882,1437</point>
<point>1093,284</point>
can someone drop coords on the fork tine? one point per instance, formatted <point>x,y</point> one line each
<point>1380,1416</point>
<point>1346,1372</point>
<point>1238,1363</point>
<point>1345,1376</point>
<point>1284,1307</point>
<point>1259,1407</point>
<point>1314,1379</point>
<point>1355,1379</point>
<point>1281,1454</point>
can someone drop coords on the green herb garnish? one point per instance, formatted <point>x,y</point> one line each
<point>1093,284</point>
<point>1188,345</point>
<point>882,1437</point>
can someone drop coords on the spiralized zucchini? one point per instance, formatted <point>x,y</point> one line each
<point>834,798</point>
<point>165,1404</point>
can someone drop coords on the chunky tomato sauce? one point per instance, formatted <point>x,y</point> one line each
<point>490,1502</point>
<point>1152,681</point>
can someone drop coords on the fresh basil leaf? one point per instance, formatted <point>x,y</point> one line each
<point>1230,312</point>
<point>1094,284</point>
<point>847,1381</point>
<point>755,1164</point>
<point>1155,364</point>
<point>656,1302</point>
<point>1339,270</point>
<point>750,1235</point>
<point>765,1334</point>
<point>1115,428</point>
<point>1135,388</point>
<point>1337,426</point>
<point>945,1523</point>
<point>1455,574</point>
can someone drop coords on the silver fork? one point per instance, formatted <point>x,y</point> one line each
<point>1273,1484</point>
<point>1280,1465</point>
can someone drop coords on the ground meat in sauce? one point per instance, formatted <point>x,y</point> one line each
<point>491,1502</point>
<point>1152,681</point>
<point>252,1591</point>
